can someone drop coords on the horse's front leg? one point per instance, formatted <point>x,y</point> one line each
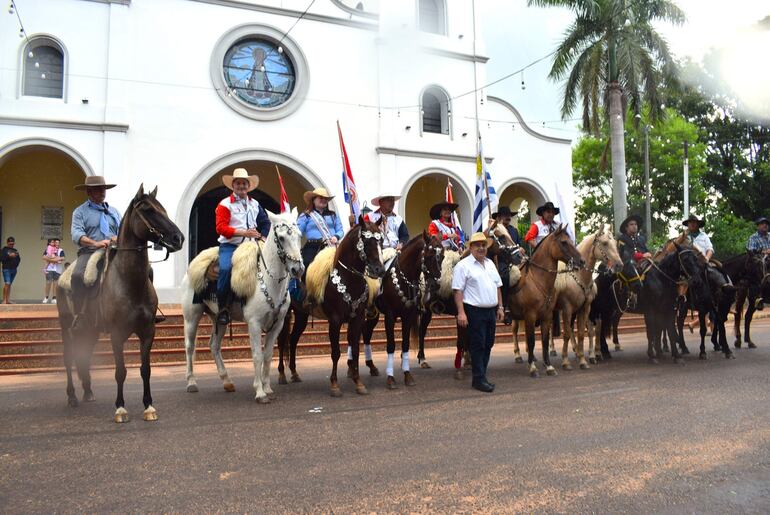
<point>215,344</point>
<point>703,329</point>
<point>424,320</point>
<point>354,341</point>
<point>267,358</point>
<point>529,330</point>
<point>390,323</point>
<point>146,339</point>
<point>257,357</point>
<point>283,346</point>
<point>367,331</point>
<point>545,328</point>
<point>750,309</point>
<point>582,323</point>
<point>121,415</point>
<point>516,351</point>
<point>67,344</point>
<point>740,299</point>
<point>567,336</point>
<point>300,323</point>
<point>334,340</point>
<point>407,322</point>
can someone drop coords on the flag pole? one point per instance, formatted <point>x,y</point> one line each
<point>476,110</point>
<point>344,172</point>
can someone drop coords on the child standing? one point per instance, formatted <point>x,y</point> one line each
<point>53,257</point>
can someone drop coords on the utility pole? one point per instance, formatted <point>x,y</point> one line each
<point>647,195</point>
<point>686,185</point>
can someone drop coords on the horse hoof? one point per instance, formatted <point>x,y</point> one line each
<point>121,416</point>
<point>618,348</point>
<point>408,379</point>
<point>88,397</point>
<point>150,415</point>
<point>350,372</point>
<point>592,361</point>
<point>752,345</point>
<point>229,387</point>
<point>678,361</point>
<point>361,390</point>
<point>390,383</point>
<point>703,355</point>
<point>335,392</point>
<point>551,371</point>
<point>685,351</point>
<point>654,361</point>
<point>584,366</point>
<point>553,353</point>
<point>730,356</point>
<point>72,402</point>
<point>192,388</point>
<point>263,400</point>
<point>566,366</point>
<point>295,378</point>
<point>459,374</point>
<point>373,371</point>
<point>737,344</point>
<point>534,374</point>
<point>518,359</point>
<point>424,364</point>
<point>282,379</point>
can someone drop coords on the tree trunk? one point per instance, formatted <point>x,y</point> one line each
<point>618,153</point>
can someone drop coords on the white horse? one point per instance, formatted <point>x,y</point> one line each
<point>260,275</point>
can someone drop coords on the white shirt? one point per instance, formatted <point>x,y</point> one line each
<point>389,229</point>
<point>478,282</point>
<point>701,242</point>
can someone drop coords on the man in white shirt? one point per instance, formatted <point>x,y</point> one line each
<point>476,284</point>
<point>698,238</point>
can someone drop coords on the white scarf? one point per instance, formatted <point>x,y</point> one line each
<point>319,222</point>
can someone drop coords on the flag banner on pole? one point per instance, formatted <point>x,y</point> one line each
<point>565,213</point>
<point>348,184</point>
<point>483,181</point>
<point>285,207</point>
<point>451,199</point>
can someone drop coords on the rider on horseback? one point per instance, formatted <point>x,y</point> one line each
<point>238,217</point>
<point>698,239</point>
<point>631,244</point>
<point>394,229</point>
<point>319,225</point>
<point>760,240</point>
<point>444,228</point>
<point>543,227</point>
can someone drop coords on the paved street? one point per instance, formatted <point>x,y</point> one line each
<point>625,436</point>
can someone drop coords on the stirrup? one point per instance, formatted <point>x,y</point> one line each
<point>223,317</point>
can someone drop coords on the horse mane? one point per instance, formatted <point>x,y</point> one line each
<point>346,242</point>
<point>411,247</point>
<point>557,231</point>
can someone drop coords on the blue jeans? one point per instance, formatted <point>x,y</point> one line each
<point>225,266</point>
<point>9,274</point>
<point>481,338</point>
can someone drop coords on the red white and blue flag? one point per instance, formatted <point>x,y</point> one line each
<point>451,199</point>
<point>348,184</point>
<point>285,207</point>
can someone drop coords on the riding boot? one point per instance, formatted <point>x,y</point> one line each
<point>223,303</point>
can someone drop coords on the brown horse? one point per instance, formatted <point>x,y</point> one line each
<point>125,301</point>
<point>345,299</point>
<point>532,299</point>
<point>401,296</point>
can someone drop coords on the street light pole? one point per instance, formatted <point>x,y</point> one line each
<point>686,182</point>
<point>647,209</point>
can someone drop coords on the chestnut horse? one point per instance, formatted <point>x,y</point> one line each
<point>125,298</point>
<point>345,301</point>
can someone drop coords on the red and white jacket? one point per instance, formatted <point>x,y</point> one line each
<point>233,213</point>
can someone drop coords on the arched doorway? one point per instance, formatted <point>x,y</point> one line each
<point>36,203</point>
<point>523,197</point>
<point>429,189</point>
<point>202,233</point>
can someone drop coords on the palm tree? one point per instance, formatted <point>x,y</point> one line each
<point>611,59</point>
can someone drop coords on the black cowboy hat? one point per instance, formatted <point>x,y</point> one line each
<point>545,207</point>
<point>503,211</point>
<point>435,211</point>
<point>631,218</point>
<point>762,219</point>
<point>693,218</point>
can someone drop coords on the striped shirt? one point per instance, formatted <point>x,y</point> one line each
<point>758,242</point>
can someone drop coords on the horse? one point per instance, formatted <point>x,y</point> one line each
<point>750,272</point>
<point>575,290</point>
<point>125,301</point>
<point>260,277</point>
<point>418,263</point>
<point>532,299</point>
<point>343,296</point>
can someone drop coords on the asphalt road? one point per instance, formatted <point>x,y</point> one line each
<point>625,436</point>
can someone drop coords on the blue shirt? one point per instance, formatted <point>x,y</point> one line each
<point>85,222</point>
<point>310,229</point>
<point>757,242</point>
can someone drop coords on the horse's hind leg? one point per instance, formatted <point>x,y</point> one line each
<point>86,341</point>
<point>368,330</point>
<point>406,324</point>
<point>354,341</point>
<point>516,351</point>
<point>750,309</point>
<point>581,322</point>
<point>545,328</point>
<point>121,415</point>
<point>300,323</point>
<point>567,337</point>
<point>67,342</point>
<point>740,299</point>
<point>283,346</point>
<point>191,321</point>
<point>424,320</point>
<point>258,347</point>
<point>215,344</point>
<point>390,381</point>
<point>145,341</point>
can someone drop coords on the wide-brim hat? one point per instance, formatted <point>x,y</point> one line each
<point>693,218</point>
<point>503,211</point>
<point>480,237</point>
<point>318,192</point>
<point>94,181</point>
<point>241,173</point>
<point>631,218</point>
<point>762,220</point>
<point>545,207</point>
<point>376,200</point>
<point>435,211</point>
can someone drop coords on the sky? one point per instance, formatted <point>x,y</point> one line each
<point>516,35</point>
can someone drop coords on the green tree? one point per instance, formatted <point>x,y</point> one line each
<point>611,57</point>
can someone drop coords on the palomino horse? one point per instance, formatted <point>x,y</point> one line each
<point>576,290</point>
<point>345,297</point>
<point>750,272</point>
<point>532,299</point>
<point>401,295</point>
<point>126,301</point>
<point>261,278</point>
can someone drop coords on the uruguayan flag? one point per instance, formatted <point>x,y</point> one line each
<point>480,211</point>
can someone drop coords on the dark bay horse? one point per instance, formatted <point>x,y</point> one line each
<point>401,297</point>
<point>532,300</point>
<point>750,273</point>
<point>345,301</point>
<point>126,301</point>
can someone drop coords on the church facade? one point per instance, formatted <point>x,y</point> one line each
<point>177,93</point>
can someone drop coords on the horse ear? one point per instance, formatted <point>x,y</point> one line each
<point>272,217</point>
<point>140,193</point>
<point>154,192</point>
<point>294,212</point>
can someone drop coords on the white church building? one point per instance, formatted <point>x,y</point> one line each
<point>176,93</point>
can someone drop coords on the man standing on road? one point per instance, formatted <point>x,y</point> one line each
<point>10,260</point>
<point>476,285</point>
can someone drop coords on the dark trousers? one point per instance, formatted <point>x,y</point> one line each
<point>310,250</point>
<point>481,338</point>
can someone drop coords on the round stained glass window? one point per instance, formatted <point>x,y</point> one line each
<point>258,74</point>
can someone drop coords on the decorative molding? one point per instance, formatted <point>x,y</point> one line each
<point>76,156</point>
<point>430,155</point>
<point>455,55</point>
<point>526,127</point>
<point>280,11</point>
<point>63,124</point>
<point>119,2</point>
<point>355,12</point>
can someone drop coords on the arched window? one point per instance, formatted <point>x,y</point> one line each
<point>43,69</point>
<point>435,111</point>
<point>432,16</point>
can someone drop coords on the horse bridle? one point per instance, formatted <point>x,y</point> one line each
<point>337,279</point>
<point>152,230</point>
<point>398,275</point>
<point>283,256</point>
